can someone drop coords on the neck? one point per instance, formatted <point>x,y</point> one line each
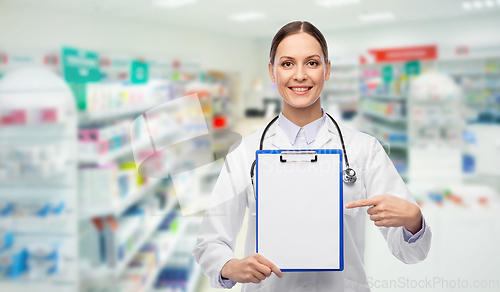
<point>303,116</point>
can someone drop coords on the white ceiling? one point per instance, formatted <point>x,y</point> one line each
<point>212,15</point>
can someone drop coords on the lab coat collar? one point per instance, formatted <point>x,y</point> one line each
<point>280,140</point>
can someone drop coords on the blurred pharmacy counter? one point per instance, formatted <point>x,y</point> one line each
<point>464,251</point>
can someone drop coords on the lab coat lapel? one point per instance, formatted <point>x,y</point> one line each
<point>280,140</point>
<point>323,137</point>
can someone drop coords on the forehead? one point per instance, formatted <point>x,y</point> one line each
<point>299,45</point>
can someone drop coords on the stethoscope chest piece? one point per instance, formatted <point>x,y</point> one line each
<point>349,175</point>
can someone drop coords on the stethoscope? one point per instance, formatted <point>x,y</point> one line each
<point>349,174</point>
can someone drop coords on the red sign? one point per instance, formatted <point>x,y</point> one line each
<point>462,50</point>
<point>219,122</point>
<point>51,60</point>
<point>405,54</point>
<point>13,117</point>
<point>105,62</point>
<point>176,64</point>
<point>3,58</point>
<point>362,60</point>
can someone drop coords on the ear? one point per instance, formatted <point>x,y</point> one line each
<point>271,72</point>
<point>327,73</point>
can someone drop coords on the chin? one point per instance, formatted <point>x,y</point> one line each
<point>300,103</point>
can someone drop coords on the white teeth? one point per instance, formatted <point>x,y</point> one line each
<point>300,88</point>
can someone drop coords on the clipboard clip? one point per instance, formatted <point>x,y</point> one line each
<point>299,152</point>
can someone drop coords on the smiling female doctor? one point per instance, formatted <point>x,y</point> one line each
<point>299,66</point>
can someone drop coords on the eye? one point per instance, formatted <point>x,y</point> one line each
<point>313,63</point>
<point>286,64</point>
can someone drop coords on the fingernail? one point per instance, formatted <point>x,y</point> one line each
<point>347,205</point>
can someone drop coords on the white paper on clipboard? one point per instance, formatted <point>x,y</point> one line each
<point>299,210</point>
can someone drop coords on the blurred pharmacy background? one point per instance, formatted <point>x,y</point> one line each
<point>96,143</point>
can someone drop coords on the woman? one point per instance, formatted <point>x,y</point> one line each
<point>299,66</point>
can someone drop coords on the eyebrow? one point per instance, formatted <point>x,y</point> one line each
<point>294,58</point>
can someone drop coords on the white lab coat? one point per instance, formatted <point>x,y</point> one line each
<point>376,176</point>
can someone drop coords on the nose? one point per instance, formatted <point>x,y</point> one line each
<point>300,74</point>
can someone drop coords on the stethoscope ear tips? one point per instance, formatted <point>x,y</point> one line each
<point>350,176</point>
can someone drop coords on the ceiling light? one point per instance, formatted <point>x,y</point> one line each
<point>173,3</point>
<point>330,3</point>
<point>489,3</point>
<point>466,6</point>
<point>246,16</point>
<point>478,4</point>
<point>380,16</point>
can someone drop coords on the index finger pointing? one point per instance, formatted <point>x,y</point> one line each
<point>362,203</point>
<point>268,263</point>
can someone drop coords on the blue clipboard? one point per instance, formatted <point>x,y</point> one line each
<point>297,190</point>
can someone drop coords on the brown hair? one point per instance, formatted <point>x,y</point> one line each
<point>294,28</point>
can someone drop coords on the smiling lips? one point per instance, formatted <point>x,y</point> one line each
<point>300,90</point>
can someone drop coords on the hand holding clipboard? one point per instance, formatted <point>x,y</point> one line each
<point>252,269</point>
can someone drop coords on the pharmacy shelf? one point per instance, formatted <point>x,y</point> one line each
<point>492,87</point>
<point>388,97</point>
<point>343,98</point>
<point>151,228</point>
<point>192,283</point>
<point>351,77</point>
<point>113,155</point>
<point>89,117</point>
<point>466,73</point>
<point>392,145</point>
<point>148,285</point>
<point>473,88</point>
<point>60,225</point>
<point>383,117</point>
<point>122,151</point>
<point>194,276</point>
<point>483,103</point>
<point>117,209</point>
<point>23,284</point>
<point>340,89</point>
